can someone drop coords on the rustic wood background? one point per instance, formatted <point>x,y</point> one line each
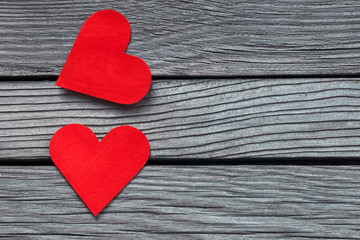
<point>253,120</point>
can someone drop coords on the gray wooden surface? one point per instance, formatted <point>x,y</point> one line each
<point>189,202</point>
<point>222,118</point>
<point>214,97</point>
<point>192,37</point>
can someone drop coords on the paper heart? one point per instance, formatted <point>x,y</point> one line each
<point>98,171</point>
<point>98,66</point>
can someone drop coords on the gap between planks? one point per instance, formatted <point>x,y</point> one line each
<point>293,161</point>
<point>187,77</point>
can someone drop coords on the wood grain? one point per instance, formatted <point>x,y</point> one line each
<point>211,118</point>
<point>188,202</point>
<point>185,38</point>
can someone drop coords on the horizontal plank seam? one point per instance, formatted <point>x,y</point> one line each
<point>296,161</point>
<point>190,77</point>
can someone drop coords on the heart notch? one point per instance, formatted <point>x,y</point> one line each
<point>98,66</point>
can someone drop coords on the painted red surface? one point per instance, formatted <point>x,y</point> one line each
<point>98,66</point>
<point>98,171</point>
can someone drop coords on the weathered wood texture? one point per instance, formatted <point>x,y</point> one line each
<point>188,202</point>
<point>234,118</point>
<point>192,38</point>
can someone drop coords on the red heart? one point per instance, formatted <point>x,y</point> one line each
<point>98,66</point>
<point>98,171</point>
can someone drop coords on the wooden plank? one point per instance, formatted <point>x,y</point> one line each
<point>232,118</point>
<point>192,38</point>
<point>188,202</point>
